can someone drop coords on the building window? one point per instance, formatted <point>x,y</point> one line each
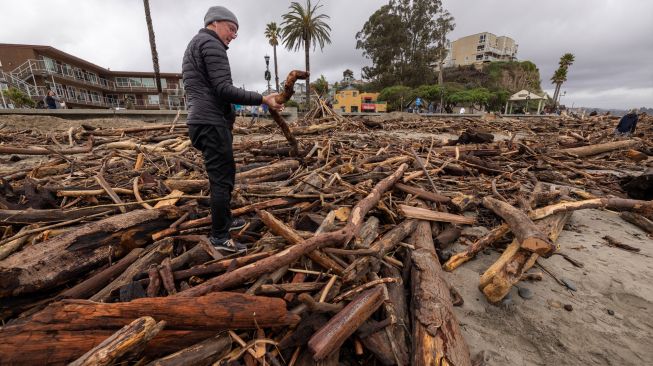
<point>135,82</point>
<point>480,48</point>
<point>481,39</point>
<point>122,82</point>
<point>153,99</point>
<point>50,65</point>
<point>148,82</point>
<point>355,93</point>
<point>479,57</point>
<point>354,109</point>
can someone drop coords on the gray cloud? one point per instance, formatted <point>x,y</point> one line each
<point>611,39</point>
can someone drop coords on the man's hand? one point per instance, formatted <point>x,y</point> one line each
<point>270,101</point>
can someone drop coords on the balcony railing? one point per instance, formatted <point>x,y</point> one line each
<point>44,69</point>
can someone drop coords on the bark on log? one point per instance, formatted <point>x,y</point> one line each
<point>61,347</point>
<point>426,214</point>
<point>62,258</point>
<point>155,254</point>
<point>284,165</point>
<point>288,91</point>
<point>286,257</point>
<point>330,337</point>
<point>90,286</point>
<point>216,311</point>
<point>600,148</point>
<point>201,354</point>
<point>131,337</point>
<point>437,338</point>
<point>497,280</point>
<point>521,225</point>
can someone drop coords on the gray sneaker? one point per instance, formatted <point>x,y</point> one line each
<point>228,245</point>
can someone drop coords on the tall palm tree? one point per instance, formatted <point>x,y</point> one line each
<point>560,75</point>
<point>155,55</point>
<point>301,27</point>
<point>273,33</point>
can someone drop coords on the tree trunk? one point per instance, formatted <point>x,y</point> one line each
<point>497,280</point>
<point>437,338</point>
<point>128,339</point>
<point>276,68</point>
<point>307,48</point>
<point>155,55</point>
<point>61,259</point>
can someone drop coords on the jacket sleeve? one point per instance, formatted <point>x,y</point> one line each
<point>219,73</point>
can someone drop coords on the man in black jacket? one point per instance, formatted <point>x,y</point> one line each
<point>210,94</point>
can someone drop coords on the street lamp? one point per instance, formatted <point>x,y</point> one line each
<point>268,76</point>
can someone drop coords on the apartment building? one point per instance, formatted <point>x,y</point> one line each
<point>350,100</point>
<point>34,69</point>
<point>479,48</point>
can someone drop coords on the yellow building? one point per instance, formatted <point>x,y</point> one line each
<point>351,100</point>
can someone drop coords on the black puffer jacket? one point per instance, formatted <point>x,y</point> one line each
<point>207,80</point>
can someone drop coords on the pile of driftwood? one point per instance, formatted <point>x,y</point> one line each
<point>104,257</point>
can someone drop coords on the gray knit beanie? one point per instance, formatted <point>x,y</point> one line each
<point>218,13</point>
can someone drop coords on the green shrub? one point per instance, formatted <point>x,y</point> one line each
<point>19,99</point>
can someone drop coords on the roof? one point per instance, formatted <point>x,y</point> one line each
<point>525,95</point>
<point>54,51</point>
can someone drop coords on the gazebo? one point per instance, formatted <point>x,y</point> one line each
<point>524,95</point>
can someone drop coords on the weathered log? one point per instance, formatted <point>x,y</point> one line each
<point>311,129</point>
<point>131,337</point>
<point>497,280</point>
<point>291,254</point>
<point>284,165</point>
<point>600,148</point>
<point>459,258</point>
<point>426,214</point>
<point>332,335</point>
<point>420,193</point>
<point>638,220</point>
<point>156,252</point>
<point>277,227</point>
<point>187,185</point>
<point>449,235</point>
<point>91,285</point>
<point>437,338</point>
<point>62,258</point>
<point>204,353</point>
<point>283,97</point>
<point>279,290</point>
<point>521,225</point>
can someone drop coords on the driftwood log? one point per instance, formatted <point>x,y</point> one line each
<point>284,96</point>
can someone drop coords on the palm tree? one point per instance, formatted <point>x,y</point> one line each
<point>302,26</point>
<point>155,55</point>
<point>560,75</point>
<point>273,33</point>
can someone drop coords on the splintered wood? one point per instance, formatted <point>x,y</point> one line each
<point>104,257</point>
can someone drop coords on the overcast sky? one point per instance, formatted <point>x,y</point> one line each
<point>611,39</point>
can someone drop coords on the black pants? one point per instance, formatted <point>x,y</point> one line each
<point>215,143</point>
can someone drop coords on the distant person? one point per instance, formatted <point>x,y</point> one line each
<point>431,108</point>
<point>593,113</point>
<point>418,103</point>
<point>627,124</point>
<point>254,111</point>
<point>448,109</point>
<point>462,110</point>
<point>51,100</point>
